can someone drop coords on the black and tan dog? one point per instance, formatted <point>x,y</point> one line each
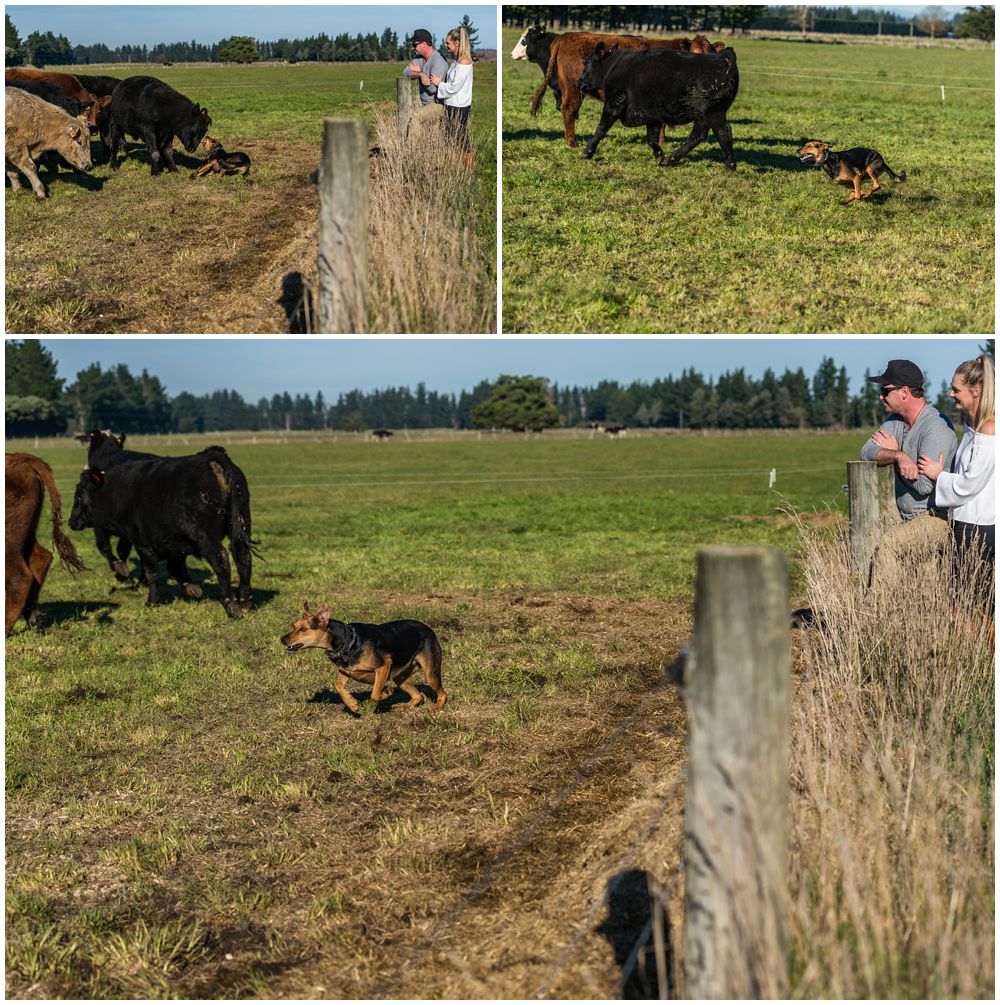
<point>848,167</point>
<point>220,162</point>
<point>371,654</point>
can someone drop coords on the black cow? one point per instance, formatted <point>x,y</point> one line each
<point>152,111</point>
<point>534,46</point>
<point>106,449</point>
<point>171,507</point>
<point>660,87</point>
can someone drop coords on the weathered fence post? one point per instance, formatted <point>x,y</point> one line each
<point>406,101</point>
<point>343,228</point>
<point>736,824</point>
<point>863,495</point>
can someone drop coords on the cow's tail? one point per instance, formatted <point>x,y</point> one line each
<point>64,546</point>
<point>536,98</point>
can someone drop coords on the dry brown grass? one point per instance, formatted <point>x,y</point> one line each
<point>892,762</point>
<point>429,270</point>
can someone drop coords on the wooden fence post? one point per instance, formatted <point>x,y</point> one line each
<point>736,823</point>
<point>343,228</point>
<point>863,497</point>
<point>406,101</point>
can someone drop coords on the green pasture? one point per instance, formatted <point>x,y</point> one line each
<point>617,245</point>
<point>185,801</point>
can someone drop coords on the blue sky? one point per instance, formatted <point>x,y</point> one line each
<point>261,367</point>
<point>137,24</point>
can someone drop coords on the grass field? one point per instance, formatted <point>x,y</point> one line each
<point>191,812</point>
<point>124,252</point>
<point>616,245</point>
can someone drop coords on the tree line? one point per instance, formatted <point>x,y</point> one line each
<point>39,402</point>
<point>48,49</point>
<point>975,22</point>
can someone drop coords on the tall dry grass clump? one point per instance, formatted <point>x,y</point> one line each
<point>891,876</point>
<point>430,270</point>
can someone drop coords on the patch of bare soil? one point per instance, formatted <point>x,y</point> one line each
<point>263,252</point>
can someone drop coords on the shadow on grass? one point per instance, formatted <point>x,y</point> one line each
<point>62,611</point>
<point>392,703</point>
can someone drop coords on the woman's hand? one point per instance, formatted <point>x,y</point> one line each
<point>436,80</point>
<point>931,469</point>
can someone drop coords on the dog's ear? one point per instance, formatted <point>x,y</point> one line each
<point>323,616</point>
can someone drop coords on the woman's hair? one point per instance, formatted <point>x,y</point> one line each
<point>461,36</point>
<point>978,372</point>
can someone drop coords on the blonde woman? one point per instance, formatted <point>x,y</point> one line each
<point>968,490</point>
<point>456,90</point>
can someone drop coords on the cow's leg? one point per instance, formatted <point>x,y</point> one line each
<point>15,178</point>
<point>17,583</point>
<point>118,566</point>
<point>218,558</point>
<point>243,558</point>
<point>168,156</point>
<point>27,167</point>
<point>653,133</point>
<point>38,563</point>
<point>570,110</point>
<point>177,568</point>
<point>698,135</point>
<point>608,118</point>
<point>151,572</point>
<point>115,138</point>
<point>725,137</point>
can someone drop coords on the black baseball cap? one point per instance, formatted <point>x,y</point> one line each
<point>421,35</point>
<point>901,372</point>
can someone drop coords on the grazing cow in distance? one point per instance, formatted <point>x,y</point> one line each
<point>152,111</point>
<point>381,434</point>
<point>172,507</point>
<point>658,88</point>
<point>567,55</point>
<point>27,478</point>
<point>33,127</point>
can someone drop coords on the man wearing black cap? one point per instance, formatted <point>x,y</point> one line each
<point>912,428</point>
<point>429,62</point>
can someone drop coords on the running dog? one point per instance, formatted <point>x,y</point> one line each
<point>220,162</point>
<point>848,167</point>
<point>371,654</point>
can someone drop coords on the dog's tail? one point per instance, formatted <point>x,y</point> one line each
<point>892,174</point>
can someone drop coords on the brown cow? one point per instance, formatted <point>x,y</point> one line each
<point>27,477</point>
<point>69,85</point>
<point>569,52</point>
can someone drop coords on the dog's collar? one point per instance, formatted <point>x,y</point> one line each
<point>352,641</point>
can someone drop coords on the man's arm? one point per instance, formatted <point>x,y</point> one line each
<point>939,439</point>
<point>883,449</point>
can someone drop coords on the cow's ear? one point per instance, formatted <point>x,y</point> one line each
<point>97,478</point>
<point>121,440</point>
<point>74,131</point>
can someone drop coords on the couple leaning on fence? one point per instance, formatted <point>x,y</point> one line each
<point>943,491</point>
<point>444,87</point>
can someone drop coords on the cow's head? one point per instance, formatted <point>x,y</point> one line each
<point>91,481</point>
<point>103,447</point>
<point>532,34</point>
<point>700,44</point>
<point>592,78</point>
<point>74,143</point>
<point>191,133</point>
<point>814,152</point>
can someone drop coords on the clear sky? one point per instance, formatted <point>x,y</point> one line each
<point>259,368</point>
<point>138,24</point>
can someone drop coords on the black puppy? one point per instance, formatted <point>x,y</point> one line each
<point>220,162</point>
<point>848,167</point>
<point>371,654</point>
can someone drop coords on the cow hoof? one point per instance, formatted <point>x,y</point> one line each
<point>232,608</point>
<point>191,590</point>
<point>121,571</point>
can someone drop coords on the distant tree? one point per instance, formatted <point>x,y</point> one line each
<point>977,22</point>
<point>989,348</point>
<point>519,404</point>
<point>13,55</point>
<point>48,49</point>
<point>29,369</point>
<point>238,49</point>
<point>933,21</point>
